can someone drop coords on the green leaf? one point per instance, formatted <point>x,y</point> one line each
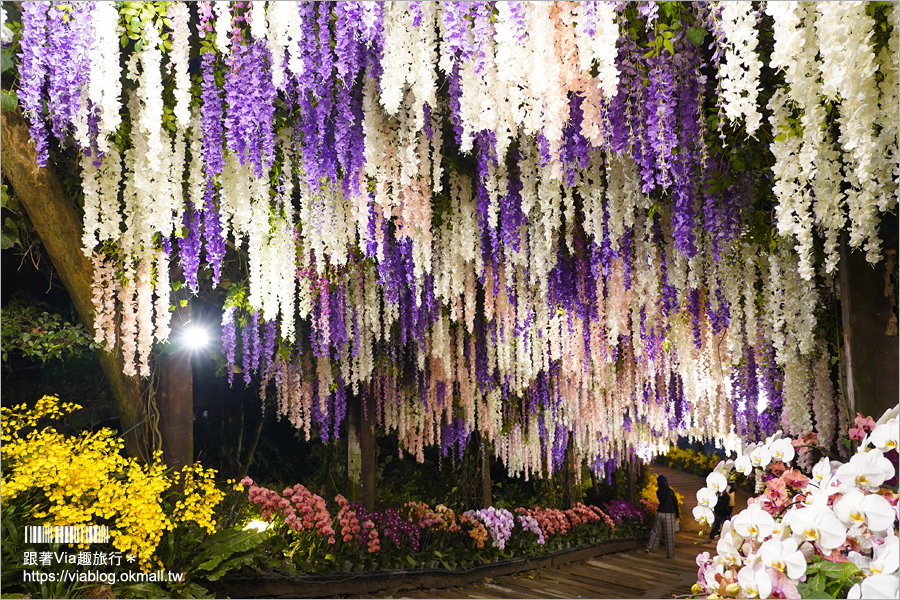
<point>183,302</point>
<point>6,61</point>
<point>7,241</point>
<point>225,543</point>
<point>9,100</point>
<point>696,35</point>
<point>849,570</point>
<point>668,45</point>
<point>831,570</point>
<point>808,591</point>
<point>410,561</point>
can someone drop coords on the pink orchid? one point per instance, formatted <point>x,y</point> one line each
<point>782,586</point>
<point>795,479</point>
<point>863,426</point>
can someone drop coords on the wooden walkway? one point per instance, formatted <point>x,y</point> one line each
<point>631,574</point>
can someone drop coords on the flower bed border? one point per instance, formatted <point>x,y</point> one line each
<point>351,584</point>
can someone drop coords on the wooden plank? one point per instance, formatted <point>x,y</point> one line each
<point>594,574</point>
<point>590,587</point>
<point>524,583</point>
<point>503,591</point>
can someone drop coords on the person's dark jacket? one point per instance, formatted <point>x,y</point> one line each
<point>723,506</point>
<point>667,501</point>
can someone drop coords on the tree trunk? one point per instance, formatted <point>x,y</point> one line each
<point>354,451</point>
<point>630,469</point>
<point>870,336</point>
<point>570,492</point>
<point>367,457</point>
<point>360,454</point>
<point>57,224</point>
<point>174,396</point>
<point>486,500</point>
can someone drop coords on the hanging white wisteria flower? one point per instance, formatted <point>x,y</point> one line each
<point>178,57</point>
<point>598,34</point>
<point>520,202</point>
<point>104,83</point>
<point>740,68</point>
<point>844,32</point>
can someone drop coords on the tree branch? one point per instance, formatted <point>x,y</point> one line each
<point>57,224</point>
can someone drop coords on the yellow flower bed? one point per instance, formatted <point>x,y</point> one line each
<point>84,480</point>
<point>691,461</point>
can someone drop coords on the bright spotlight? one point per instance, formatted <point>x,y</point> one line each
<point>257,525</point>
<point>194,337</point>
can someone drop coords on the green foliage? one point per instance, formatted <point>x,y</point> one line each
<point>9,235</point>
<point>202,558</point>
<point>826,579</point>
<point>41,335</point>
<point>135,17</point>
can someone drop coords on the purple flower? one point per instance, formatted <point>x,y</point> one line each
<point>211,118</point>
<point>213,232</point>
<point>250,93</point>
<point>67,64</point>
<point>33,73</point>
<point>189,247</point>
<point>229,339</point>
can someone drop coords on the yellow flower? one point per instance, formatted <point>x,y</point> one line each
<point>84,479</point>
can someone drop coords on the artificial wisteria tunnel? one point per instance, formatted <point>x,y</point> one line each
<point>536,248</point>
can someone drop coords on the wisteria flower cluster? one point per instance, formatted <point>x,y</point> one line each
<point>841,512</point>
<point>583,278</point>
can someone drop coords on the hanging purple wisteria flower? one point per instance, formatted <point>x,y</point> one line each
<point>250,95</point>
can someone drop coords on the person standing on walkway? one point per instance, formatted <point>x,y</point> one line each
<point>722,511</point>
<point>666,516</point>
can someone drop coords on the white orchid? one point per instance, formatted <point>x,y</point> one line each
<point>885,436</point>
<point>866,470</point>
<point>706,497</point>
<point>725,467</point>
<point>781,531</point>
<point>885,558</point>
<point>876,586</point>
<point>709,570</point>
<point>820,472</point>
<point>753,522</point>
<point>755,580</point>
<point>716,482</point>
<point>703,514</point>
<point>743,464</point>
<point>817,524</point>
<point>857,508</point>
<point>782,450</point>
<point>728,551</point>
<point>761,457</point>
<point>784,556</point>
